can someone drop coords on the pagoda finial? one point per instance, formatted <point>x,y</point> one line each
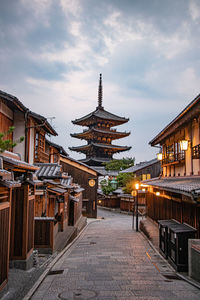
<point>100,93</point>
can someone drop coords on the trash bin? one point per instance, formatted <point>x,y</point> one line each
<point>178,236</point>
<point>163,235</point>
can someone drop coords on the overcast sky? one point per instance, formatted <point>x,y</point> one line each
<point>148,51</point>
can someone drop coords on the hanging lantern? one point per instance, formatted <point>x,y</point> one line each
<point>184,145</point>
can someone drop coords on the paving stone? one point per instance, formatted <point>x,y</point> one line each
<point>109,261</point>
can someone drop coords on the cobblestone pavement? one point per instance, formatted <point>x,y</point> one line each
<point>111,261</point>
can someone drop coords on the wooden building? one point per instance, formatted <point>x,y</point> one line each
<point>6,186</point>
<point>99,135</point>
<point>87,177</point>
<point>58,206</point>
<point>145,170</point>
<point>176,194</point>
<point>22,212</point>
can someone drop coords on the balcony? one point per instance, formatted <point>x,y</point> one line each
<point>41,156</point>
<point>196,152</point>
<point>173,158</point>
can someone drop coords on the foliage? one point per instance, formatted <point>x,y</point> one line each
<point>7,144</point>
<point>119,164</point>
<point>107,189</point>
<point>127,181</point>
<point>124,178</point>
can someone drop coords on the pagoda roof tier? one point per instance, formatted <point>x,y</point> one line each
<point>100,115</point>
<point>86,148</point>
<point>95,161</point>
<point>91,133</point>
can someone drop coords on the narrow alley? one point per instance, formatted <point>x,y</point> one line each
<point>111,261</point>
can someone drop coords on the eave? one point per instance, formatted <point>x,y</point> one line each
<point>112,148</point>
<point>185,116</point>
<point>93,132</point>
<point>100,115</point>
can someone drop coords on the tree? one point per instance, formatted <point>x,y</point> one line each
<point>127,181</point>
<point>106,187</point>
<point>7,144</point>
<point>119,164</point>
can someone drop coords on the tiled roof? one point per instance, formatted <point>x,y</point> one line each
<point>10,183</point>
<point>60,148</point>
<point>80,162</point>
<point>43,121</point>
<point>184,185</point>
<point>14,101</point>
<point>49,170</point>
<point>19,163</point>
<point>100,145</point>
<point>140,166</point>
<point>104,172</point>
<point>102,114</point>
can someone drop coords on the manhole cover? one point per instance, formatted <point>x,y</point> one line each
<point>77,295</point>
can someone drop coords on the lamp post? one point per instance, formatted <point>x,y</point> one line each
<point>136,204</point>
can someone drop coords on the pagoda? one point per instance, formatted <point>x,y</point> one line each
<point>99,135</point>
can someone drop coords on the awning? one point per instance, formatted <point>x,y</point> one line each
<point>35,182</point>
<point>10,183</point>
<point>72,198</point>
<point>57,190</point>
<point>5,174</point>
<point>21,165</point>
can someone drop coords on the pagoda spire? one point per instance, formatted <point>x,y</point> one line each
<point>100,93</point>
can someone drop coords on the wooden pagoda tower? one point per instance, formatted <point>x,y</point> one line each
<point>99,135</point>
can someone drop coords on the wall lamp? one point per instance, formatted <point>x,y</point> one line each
<point>184,145</point>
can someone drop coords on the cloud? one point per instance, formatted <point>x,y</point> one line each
<point>148,51</point>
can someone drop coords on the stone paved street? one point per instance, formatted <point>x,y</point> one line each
<point>110,261</point>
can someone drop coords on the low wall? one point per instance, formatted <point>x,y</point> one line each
<point>194,258</point>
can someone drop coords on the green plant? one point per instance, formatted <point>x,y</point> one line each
<point>119,164</point>
<point>107,187</point>
<point>7,144</point>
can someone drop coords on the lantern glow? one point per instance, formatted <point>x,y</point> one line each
<point>184,145</point>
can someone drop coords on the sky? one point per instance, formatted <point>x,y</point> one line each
<point>52,52</point>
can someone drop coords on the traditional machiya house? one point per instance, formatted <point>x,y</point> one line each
<point>17,207</point>
<point>7,184</point>
<point>33,127</point>
<point>176,194</point>
<point>99,135</point>
<point>58,206</point>
<point>87,177</point>
<point>84,175</point>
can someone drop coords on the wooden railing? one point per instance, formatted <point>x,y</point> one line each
<point>41,156</point>
<point>172,158</point>
<point>196,152</point>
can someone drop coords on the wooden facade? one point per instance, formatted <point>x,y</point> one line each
<point>5,201</point>
<point>176,193</point>
<point>83,174</point>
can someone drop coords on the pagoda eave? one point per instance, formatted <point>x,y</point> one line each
<point>91,134</point>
